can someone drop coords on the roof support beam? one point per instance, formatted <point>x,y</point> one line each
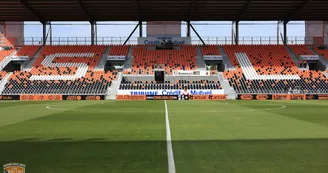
<point>293,14</point>
<point>84,11</point>
<point>191,10</point>
<point>31,11</point>
<point>131,34</point>
<point>246,7</point>
<point>200,38</point>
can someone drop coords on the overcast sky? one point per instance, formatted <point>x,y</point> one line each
<point>33,29</point>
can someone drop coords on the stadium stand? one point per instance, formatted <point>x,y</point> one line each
<point>63,70</point>
<point>2,74</point>
<point>118,50</point>
<point>323,52</point>
<point>5,53</point>
<point>210,50</point>
<point>180,84</point>
<point>146,60</point>
<point>272,60</point>
<point>27,51</point>
<point>300,50</point>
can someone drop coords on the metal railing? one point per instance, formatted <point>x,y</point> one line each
<point>221,40</point>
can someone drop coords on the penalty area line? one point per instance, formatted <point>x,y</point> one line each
<point>170,157</point>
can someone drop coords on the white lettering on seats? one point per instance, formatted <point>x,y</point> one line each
<point>251,74</point>
<point>48,62</point>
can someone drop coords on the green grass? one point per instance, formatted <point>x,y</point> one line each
<point>130,136</point>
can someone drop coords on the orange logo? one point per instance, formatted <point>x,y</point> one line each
<point>14,168</point>
<point>0,97</point>
<point>78,98</point>
<point>246,97</point>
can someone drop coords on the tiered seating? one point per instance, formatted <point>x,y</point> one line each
<point>311,82</point>
<point>94,83</point>
<point>5,53</point>
<point>58,71</point>
<point>180,84</point>
<point>322,52</point>
<point>266,59</point>
<point>29,51</point>
<point>2,74</point>
<point>118,50</point>
<point>274,62</point>
<point>210,50</point>
<point>146,60</point>
<point>300,50</point>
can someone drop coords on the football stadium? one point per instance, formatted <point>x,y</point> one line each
<point>169,100</point>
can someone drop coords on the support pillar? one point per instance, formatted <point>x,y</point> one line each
<point>237,32</point>
<point>278,33</point>
<point>232,32</point>
<point>50,30</point>
<point>44,33</point>
<point>92,32</point>
<point>188,29</point>
<point>285,33</point>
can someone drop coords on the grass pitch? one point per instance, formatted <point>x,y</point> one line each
<point>127,136</point>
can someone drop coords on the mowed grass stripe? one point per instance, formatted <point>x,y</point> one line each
<point>251,141</point>
<point>88,140</point>
<point>16,112</point>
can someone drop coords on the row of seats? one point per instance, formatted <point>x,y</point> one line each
<point>29,51</point>
<point>58,71</point>
<point>94,83</point>
<point>119,50</point>
<point>311,82</point>
<point>161,86</point>
<point>2,74</point>
<point>145,59</point>
<point>266,59</point>
<point>322,52</point>
<point>5,53</point>
<point>210,50</point>
<point>300,50</point>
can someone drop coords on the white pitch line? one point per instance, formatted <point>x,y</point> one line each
<point>170,157</point>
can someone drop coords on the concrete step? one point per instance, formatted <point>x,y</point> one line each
<point>4,81</point>
<point>293,56</point>
<point>29,65</point>
<point>228,90</point>
<point>112,90</point>
<point>226,59</point>
<point>199,59</point>
<point>102,62</point>
<point>129,60</point>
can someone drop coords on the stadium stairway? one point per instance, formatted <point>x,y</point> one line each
<point>322,59</point>
<point>226,59</point>
<point>29,65</point>
<point>129,60</point>
<point>326,74</point>
<point>103,59</point>
<point>7,60</point>
<point>4,81</point>
<point>228,90</point>
<point>112,90</point>
<point>199,59</point>
<point>293,56</point>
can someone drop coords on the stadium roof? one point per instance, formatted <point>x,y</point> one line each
<point>162,10</point>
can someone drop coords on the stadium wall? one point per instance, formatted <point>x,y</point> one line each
<point>10,31</point>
